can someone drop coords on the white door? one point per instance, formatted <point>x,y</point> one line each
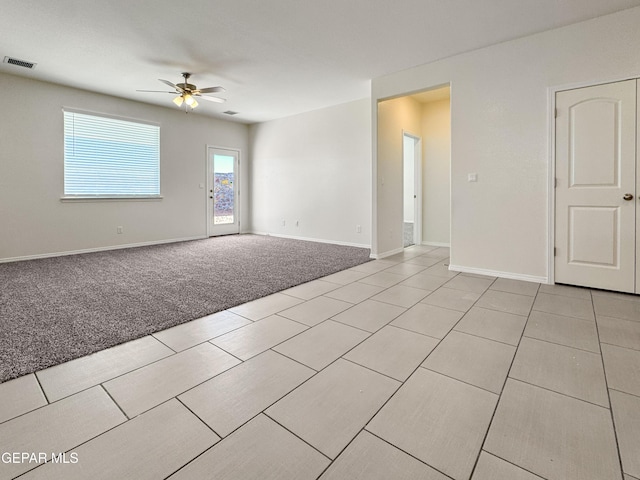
<point>596,187</point>
<point>636,200</point>
<point>222,188</point>
<point>411,185</point>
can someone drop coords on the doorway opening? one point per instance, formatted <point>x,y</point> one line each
<point>222,191</point>
<point>415,127</point>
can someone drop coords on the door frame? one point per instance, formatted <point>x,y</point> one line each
<point>551,170</point>
<point>209,186</point>
<point>417,185</point>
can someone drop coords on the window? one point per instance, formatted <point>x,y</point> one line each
<point>109,157</point>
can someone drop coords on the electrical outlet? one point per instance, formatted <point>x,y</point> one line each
<point>119,229</point>
<point>283,223</point>
<point>358,229</point>
<point>472,177</point>
<point>297,223</point>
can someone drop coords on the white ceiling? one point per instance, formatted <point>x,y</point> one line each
<point>275,57</point>
<point>434,95</point>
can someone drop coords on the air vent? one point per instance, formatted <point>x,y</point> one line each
<point>19,63</point>
<point>230,112</point>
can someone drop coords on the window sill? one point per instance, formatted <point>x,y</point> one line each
<point>111,198</point>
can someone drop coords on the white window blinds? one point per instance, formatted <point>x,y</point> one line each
<point>110,157</point>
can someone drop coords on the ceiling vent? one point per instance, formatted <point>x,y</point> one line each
<point>19,63</point>
<point>230,112</point>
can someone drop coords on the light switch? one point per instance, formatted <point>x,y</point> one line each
<point>472,177</point>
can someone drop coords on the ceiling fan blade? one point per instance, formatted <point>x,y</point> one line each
<point>211,99</point>
<point>210,90</point>
<point>172,85</point>
<point>156,91</point>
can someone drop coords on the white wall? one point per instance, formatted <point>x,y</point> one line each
<point>33,220</point>
<point>501,131</point>
<point>394,117</point>
<point>436,165</point>
<point>314,168</point>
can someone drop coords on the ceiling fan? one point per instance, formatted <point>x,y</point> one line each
<point>187,92</point>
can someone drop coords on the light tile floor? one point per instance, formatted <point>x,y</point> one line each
<point>395,369</point>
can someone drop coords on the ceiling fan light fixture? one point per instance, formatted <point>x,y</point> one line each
<point>187,92</point>
<point>189,100</point>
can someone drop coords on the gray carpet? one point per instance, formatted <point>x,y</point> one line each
<point>56,309</point>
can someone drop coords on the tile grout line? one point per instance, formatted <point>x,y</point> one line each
<point>296,361</point>
<point>606,385</point>
<point>386,402</point>
<point>384,289</point>
<point>46,398</point>
<point>402,383</point>
<point>419,333</point>
<point>85,441</point>
<point>274,345</point>
<point>561,344</point>
<point>52,402</point>
<point>185,391</point>
<point>495,409</point>
<point>198,384</point>
<point>403,451</point>
<point>157,339</point>
<point>483,338</point>
<point>205,450</point>
<point>117,376</point>
<point>191,461</point>
<point>203,341</point>
<point>139,368</point>
<point>297,436</point>
<point>300,363</point>
<point>116,403</point>
<point>514,464</point>
<point>457,379</point>
<point>198,416</point>
<point>297,321</point>
<point>619,346</point>
<point>368,421</point>
<point>622,391</point>
<point>383,404</point>
<point>557,393</point>
<point>263,411</point>
<point>333,319</point>
<point>370,334</point>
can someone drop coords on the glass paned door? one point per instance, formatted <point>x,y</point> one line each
<point>222,206</point>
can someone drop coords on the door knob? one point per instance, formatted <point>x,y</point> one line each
<point>628,196</point>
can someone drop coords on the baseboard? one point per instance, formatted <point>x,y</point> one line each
<point>436,244</point>
<point>380,256</point>
<point>310,239</point>
<point>496,273</point>
<point>100,249</point>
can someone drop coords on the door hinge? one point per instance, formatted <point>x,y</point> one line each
<point>555,113</point>
<point>555,182</point>
<point>555,252</point>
